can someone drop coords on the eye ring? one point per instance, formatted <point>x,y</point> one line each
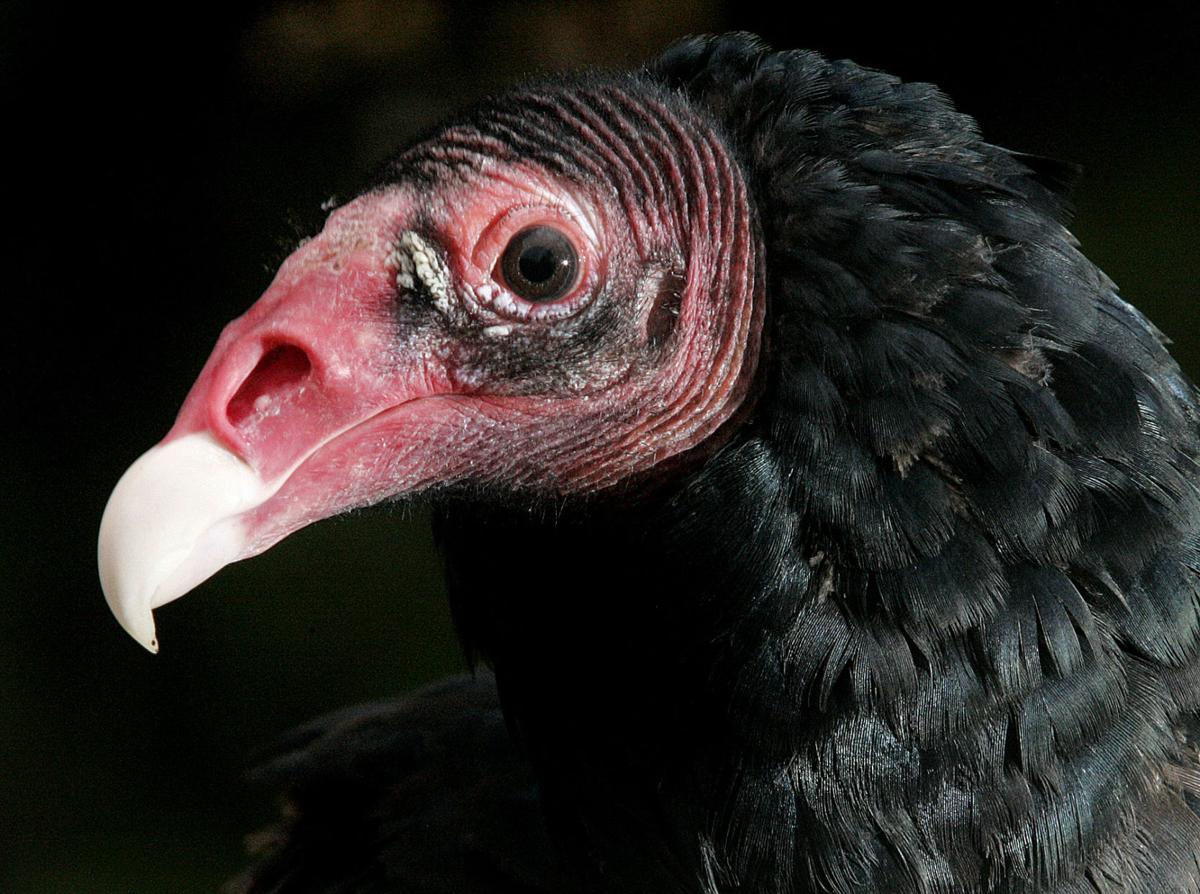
<point>540,264</point>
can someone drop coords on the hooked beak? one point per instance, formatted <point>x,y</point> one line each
<point>173,520</point>
<point>312,403</point>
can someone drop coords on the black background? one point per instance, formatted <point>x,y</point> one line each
<point>160,165</point>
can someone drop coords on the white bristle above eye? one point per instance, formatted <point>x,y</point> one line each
<point>419,265</point>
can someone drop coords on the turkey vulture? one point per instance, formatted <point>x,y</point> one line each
<point>828,521</point>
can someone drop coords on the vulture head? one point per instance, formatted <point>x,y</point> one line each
<point>829,521</point>
<point>560,294</point>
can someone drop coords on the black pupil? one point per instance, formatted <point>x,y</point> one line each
<point>539,264</point>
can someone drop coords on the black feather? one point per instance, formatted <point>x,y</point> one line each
<point>929,621</point>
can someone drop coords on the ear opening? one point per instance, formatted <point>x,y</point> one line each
<point>665,292</point>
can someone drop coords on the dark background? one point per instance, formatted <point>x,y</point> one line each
<point>160,166</point>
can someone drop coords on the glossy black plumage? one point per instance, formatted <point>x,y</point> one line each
<point>426,792</point>
<point>928,621</point>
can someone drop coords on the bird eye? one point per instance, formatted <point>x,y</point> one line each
<point>539,264</point>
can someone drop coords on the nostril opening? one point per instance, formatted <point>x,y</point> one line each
<point>277,375</point>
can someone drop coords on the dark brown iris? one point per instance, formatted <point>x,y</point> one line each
<point>539,264</point>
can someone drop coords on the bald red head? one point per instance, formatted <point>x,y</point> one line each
<point>554,296</point>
